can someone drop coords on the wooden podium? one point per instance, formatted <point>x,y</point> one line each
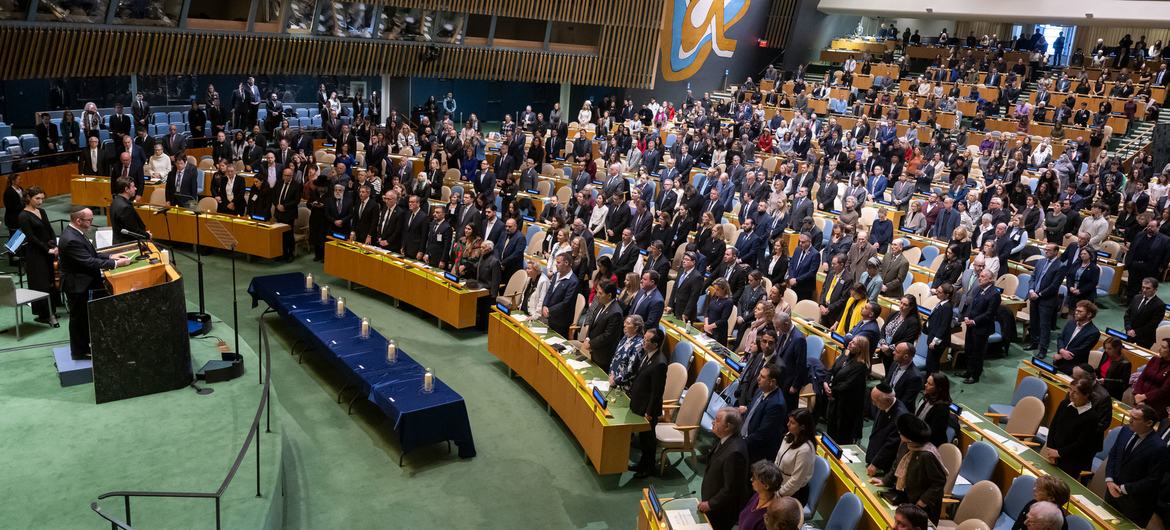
<point>138,333</point>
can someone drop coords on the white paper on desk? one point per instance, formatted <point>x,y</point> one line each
<point>970,417</point>
<point>997,437</point>
<point>538,330</point>
<point>681,519</point>
<point>849,456</point>
<point>520,317</point>
<point>600,384</point>
<point>577,365</point>
<point>1015,447</point>
<point>1097,510</point>
<point>1042,432</point>
<point>555,340</point>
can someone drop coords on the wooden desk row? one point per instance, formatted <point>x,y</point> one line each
<point>943,52</point>
<point>1016,459</point>
<point>526,348</point>
<point>990,93</point>
<point>850,477</point>
<point>648,521</point>
<point>405,280</point>
<point>255,238</point>
<point>871,46</point>
<point>1058,390</point>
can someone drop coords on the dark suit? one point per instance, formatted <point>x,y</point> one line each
<point>803,268</point>
<point>1077,436</point>
<point>414,233</point>
<point>624,259</point>
<point>510,249</point>
<point>834,293</point>
<point>81,272</point>
<point>685,296</point>
<point>646,399</point>
<point>123,215</point>
<point>884,439</point>
<point>175,145</point>
<point>983,310</point>
<point>438,242</point>
<point>362,219</point>
<point>488,275</point>
<point>1080,345</point>
<point>726,484</point>
<point>188,185</point>
<point>134,172</point>
<point>92,165</point>
<point>765,425</point>
<point>925,479</point>
<point>561,301</point>
<point>1139,470</point>
<point>1143,318</point>
<point>388,227</point>
<point>604,334</point>
<point>938,326</point>
<point>649,306</point>
<point>339,210</point>
<point>908,385</point>
<point>1042,311</point>
<point>288,196</point>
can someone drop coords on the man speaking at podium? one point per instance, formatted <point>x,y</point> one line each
<point>81,272</point>
<point>123,216</point>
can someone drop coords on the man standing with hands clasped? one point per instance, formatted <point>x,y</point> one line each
<point>81,273</point>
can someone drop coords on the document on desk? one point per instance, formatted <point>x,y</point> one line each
<point>682,520</point>
<point>600,384</point>
<point>538,330</point>
<point>849,456</point>
<point>1015,447</point>
<point>971,417</point>
<point>555,340</point>
<point>520,317</point>
<point>577,365</point>
<point>1097,510</point>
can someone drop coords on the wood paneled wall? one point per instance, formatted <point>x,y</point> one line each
<point>780,18</point>
<point>1087,36</point>
<point>625,55</point>
<point>981,28</point>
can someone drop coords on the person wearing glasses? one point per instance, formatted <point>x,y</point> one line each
<point>81,272</point>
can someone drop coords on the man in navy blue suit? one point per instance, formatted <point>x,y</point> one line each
<point>791,354</point>
<point>648,302</point>
<point>868,326</point>
<point>561,300</point>
<point>1135,466</point>
<point>802,269</point>
<point>1043,298</point>
<point>946,221</point>
<point>1078,338</point>
<point>765,421</point>
<point>511,248</point>
<point>748,244</point>
<point>980,320</point>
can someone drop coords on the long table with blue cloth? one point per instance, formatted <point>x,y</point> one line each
<point>572,386</point>
<point>419,418</point>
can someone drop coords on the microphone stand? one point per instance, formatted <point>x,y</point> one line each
<point>201,316</point>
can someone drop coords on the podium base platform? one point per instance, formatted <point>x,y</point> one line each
<point>70,371</point>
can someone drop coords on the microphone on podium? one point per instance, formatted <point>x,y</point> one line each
<point>143,252</point>
<point>134,235</point>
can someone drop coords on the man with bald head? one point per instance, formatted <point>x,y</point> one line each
<point>127,168</point>
<point>980,320</point>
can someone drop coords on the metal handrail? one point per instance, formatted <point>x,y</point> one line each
<point>263,408</point>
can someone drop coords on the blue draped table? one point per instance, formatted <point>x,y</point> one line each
<point>419,418</point>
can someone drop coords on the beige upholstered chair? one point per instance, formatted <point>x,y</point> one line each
<point>1025,419</point>
<point>679,437</point>
<point>513,290</point>
<point>676,379</point>
<point>807,309</point>
<point>983,504</point>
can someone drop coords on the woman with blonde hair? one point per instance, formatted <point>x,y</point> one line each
<point>91,121</point>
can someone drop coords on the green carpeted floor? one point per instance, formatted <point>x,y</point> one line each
<point>529,472</point>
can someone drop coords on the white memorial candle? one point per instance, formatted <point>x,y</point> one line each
<point>309,281</point>
<point>365,327</point>
<point>340,306</point>
<point>324,294</point>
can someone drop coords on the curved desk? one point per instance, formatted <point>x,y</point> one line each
<point>564,382</point>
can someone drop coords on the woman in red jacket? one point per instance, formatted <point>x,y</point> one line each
<point>1153,385</point>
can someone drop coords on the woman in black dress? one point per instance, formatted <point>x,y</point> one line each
<point>934,407</point>
<point>13,202</point>
<point>40,251</point>
<point>717,310</point>
<point>845,389</point>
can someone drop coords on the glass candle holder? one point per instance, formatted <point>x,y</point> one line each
<point>340,306</point>
<point>309,282</point>
<point>365,327</point>
<point>324,294</point>
<point>428,381</point>
<point>391,351</point>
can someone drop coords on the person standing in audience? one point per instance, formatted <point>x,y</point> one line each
<point>1074,434</point>
<point>1079,336</point>
<point>511,248</point>
<point>40,254</point>
<point>14,201</point>
<point>938,327</point>
<point>647,302</point>
<point>606,329</point>
<point>903,327</point>
<point>1114,369</point>
<point>628,353</point>
<point>725,480</point>
<point>764,421</point>
<point>646,388</point>
<point>1136,463</point>
<point>1082,278</point>
<point>883,442</point>
<point>123,216</point>
<point>903,376</point>
<point>1153,383</point>
<point>797,455</point>
<point>845,389</point>
<point>717,310</point>
<point>917,476</point>
<point>934,408</point>
<point>287,199</point>
<point>487,272</point>
<point>802,269</point>
<point>1044,299</point>
<point>765,481</point>
<point>561,299</point>
<point>980,320</point>
<point>439,234</point>
<point>1144,314</point>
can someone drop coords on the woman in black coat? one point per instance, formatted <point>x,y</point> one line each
<point>1075,434</point>
<point>903,326</point>
<point>951,268</point>
<point>13,202</point>
<point>934,407</point>
<point>646,396</point>
<point>40,251</point>
<point>717,310</point>
<point>918,477</point>
<point>1115,368</point>
<point>1082,279</point>
<point>846,391</point>
<point>258,199</point>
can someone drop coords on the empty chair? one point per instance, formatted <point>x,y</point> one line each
<point>1024,281</point>
<point>29,143</point>
<point>708,375</point>
<point>972,524</point>
<point>1110,439</point>
<point>1029,386</point>
<point>814,347</point>
<point>816,485</point>
<point>952,460</point>
<point>679,436</point>
<point>1008,282</point>
<point>808,310</point>
<point>716,401</point>
<point>918,289</point>
<point>162,118</point>
<point>846,514</point>
<point>1104,284</point>
<point>977,465</point>
<point>683,351</point>
<point>982,503</point>
<point>300,226</point>
<point>1025,419</point>
<point>16,298</point>
<point>1017,496</point>
<point>513,290</point>
<point>929,252</point>
<point>676,380</point>
<point>1076,522</point>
